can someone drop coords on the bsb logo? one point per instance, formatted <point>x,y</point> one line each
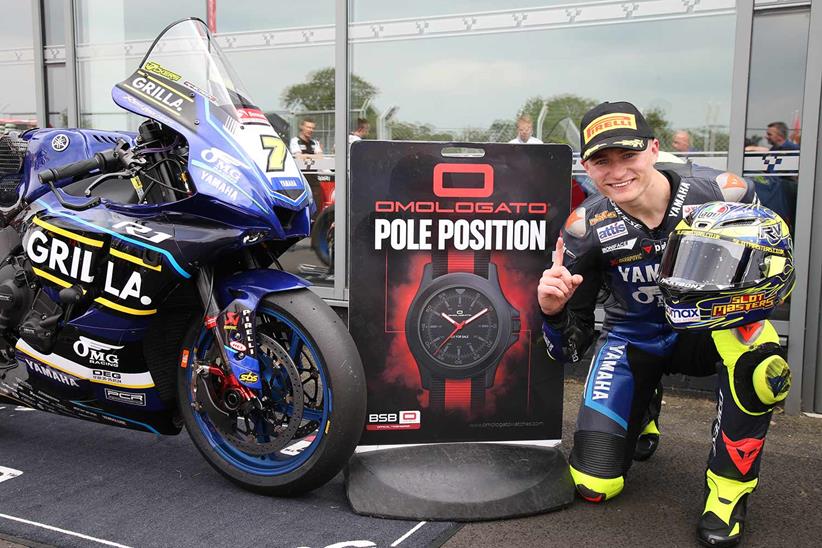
<point>612,231</point>
<point>400,420</point>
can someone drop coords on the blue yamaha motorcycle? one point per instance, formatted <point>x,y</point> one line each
<point>140,286</point>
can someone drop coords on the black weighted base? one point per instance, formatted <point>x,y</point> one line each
<point>459,482</point>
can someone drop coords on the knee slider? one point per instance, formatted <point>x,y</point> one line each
<point>762,378</point>
<point>594,489</point>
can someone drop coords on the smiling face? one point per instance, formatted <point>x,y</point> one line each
<point>623,175</point>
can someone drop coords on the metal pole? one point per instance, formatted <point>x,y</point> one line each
<point>39,64</point>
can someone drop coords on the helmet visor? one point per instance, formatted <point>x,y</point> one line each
<point>697,262</point>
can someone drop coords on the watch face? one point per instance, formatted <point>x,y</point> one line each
<point>458,326</point>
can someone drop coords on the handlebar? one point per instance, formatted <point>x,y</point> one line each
<point>101,160</point>
<point>108,160</point>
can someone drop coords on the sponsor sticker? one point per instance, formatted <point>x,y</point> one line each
<point>399,420</point>
<point>157,68</point>
<point>252,116</point>
<point>249,377</point>
<point>612,231</point>
<point>608,122</point>
<point>130,398</point>
<point>601,216</point>
<point>627,244</point>
<point>682,315</point>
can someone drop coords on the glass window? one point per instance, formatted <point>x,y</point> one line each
<point>17,101</point>
<point>112,37</point>
<point>465,70</point>
<point>56,95</point>
<point>773,132</point>
<point>285,57</point>
<point>283,54</point>
<point>54,21</point>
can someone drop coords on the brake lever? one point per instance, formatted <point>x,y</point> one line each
<point>102,178</point>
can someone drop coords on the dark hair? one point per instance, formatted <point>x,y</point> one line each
<point>781,127</point>
<point>309,120</point>
<point>362,122</point>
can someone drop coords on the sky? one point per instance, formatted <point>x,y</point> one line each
<point>682,67</point>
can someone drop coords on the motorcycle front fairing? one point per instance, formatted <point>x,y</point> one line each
<point>235,156</point>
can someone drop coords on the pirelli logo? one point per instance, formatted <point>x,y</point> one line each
<point>608,122</point>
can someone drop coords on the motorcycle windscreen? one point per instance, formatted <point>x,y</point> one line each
<point>693,260</point>
<point>186,82</point>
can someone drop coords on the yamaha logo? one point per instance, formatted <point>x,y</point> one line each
<point>60,142</point>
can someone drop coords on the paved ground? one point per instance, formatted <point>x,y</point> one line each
<point>66,484</point>
<point>663,496</point>
<point>84,484</point>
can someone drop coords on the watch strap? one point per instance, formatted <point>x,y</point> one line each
<point>467,395</point>
<point>450,260</point>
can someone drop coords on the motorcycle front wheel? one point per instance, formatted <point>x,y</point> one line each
<point>309,418</point>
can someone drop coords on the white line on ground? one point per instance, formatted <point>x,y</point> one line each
<point>409,533</point>
<point>64,531</point>
<point>8,473</point>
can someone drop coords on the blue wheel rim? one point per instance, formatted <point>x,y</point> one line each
<point>277,463</point>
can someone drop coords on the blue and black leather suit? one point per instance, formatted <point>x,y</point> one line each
<point>614,251</point>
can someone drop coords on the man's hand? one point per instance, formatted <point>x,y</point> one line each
<point>557,284</point>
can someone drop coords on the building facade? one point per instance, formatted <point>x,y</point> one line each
<point>731,84</point>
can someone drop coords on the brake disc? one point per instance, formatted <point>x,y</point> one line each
<point>281,432</point>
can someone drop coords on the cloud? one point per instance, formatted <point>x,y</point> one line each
<point>470,77</point>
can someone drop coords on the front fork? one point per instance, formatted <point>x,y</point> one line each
<point>233,329</point>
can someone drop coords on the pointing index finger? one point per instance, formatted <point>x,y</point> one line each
<point>559,253</point>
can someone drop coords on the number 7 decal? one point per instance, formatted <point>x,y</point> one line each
<point>276,156</point>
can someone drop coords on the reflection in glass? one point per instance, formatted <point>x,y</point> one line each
<point>468,76</point>
<point>56,96</point>
<point>54,22</point>
<point>284,55</point>
<point>17,102</point>
<point>773,131</point>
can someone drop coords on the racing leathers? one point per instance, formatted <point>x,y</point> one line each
<point>615,251</point>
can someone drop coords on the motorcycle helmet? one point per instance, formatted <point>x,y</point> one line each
<point>726,265</point>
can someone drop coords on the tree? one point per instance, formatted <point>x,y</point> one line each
<point>317,93</point>
<point>409,131</point>
<point>563,113</point>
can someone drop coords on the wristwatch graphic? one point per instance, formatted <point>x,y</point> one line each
<point>458,328</point>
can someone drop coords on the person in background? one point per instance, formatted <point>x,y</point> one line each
<point>525,129</point>
<point>363,127</point>
<point>777,192</point>
<point>682,141</point>
<point>777,136</point>
<point>304,143</point>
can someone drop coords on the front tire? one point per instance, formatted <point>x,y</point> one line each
<point>328,424</point>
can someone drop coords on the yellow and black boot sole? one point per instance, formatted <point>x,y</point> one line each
<point>723,520</point>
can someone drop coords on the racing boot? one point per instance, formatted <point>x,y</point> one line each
<point>647,442</point>
<point>648,439</point>
<point>723,520</point>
